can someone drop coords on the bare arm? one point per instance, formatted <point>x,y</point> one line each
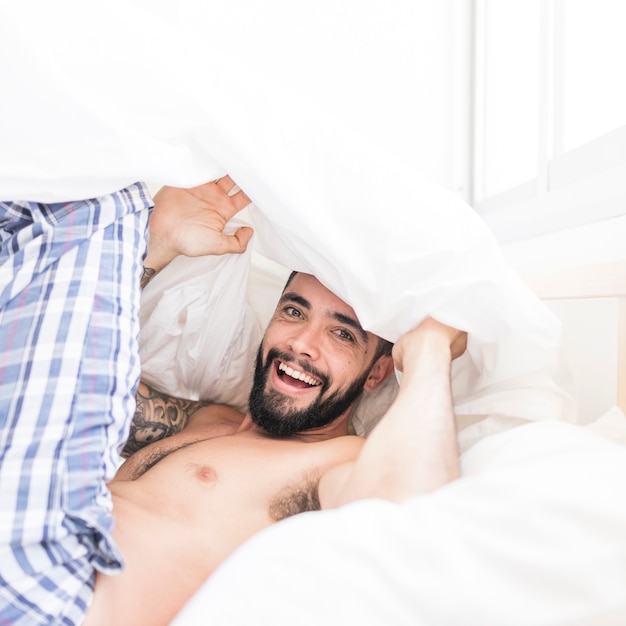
<point>413,449</point>
<point>157,416</point>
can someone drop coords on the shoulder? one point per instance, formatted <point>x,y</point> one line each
<point>207,422</point>
<point>210,418</point>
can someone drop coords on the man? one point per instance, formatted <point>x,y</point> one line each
<point>314,362</point>
<point>184,503</point>
<point>194,219</point>
<point>188,510</point>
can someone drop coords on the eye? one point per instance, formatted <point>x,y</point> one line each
<point>292,311</point>
<point>345,335</point>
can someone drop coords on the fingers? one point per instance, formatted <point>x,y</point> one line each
<point>410,345</point>
<point>459,345</point>
<point>228,186</point>
<point>225,183</point>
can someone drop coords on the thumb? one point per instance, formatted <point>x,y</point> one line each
<point>237,242</point>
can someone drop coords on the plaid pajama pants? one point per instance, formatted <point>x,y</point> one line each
<point>69,368</point>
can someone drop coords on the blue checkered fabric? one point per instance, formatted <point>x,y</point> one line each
<point>69,368</point>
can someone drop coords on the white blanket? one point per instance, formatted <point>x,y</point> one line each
<point>531,535</point>
<point>108,93</point>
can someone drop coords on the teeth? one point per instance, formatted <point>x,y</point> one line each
<point>298,375</point>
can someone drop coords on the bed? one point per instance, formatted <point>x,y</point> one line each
<point>533,532</point>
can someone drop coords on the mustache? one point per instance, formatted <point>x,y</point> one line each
<point>276,355</point>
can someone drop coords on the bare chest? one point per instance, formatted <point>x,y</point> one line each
<point>239,477</point>
<point>191,509</point>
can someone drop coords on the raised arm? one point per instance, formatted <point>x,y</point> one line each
<point>413,449</point>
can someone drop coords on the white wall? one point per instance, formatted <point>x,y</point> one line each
<point>590,332</point>
<point>549,156</point>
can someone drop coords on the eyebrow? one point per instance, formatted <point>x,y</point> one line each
<point>347,320</point>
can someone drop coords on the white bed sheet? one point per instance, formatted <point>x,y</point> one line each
<point>531,535</point>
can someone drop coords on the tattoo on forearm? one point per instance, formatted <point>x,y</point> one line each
<point>157,416</point>
<point>147,275</point>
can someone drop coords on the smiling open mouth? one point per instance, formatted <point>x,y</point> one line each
<point>301,378</point>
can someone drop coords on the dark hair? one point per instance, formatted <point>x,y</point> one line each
<point>291,277</point>
<point>383,348</point>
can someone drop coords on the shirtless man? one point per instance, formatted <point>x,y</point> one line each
<point>184,503</point>
<point>181,513</point>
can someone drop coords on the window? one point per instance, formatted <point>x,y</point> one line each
<point>549,114</point>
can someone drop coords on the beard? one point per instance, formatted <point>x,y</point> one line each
<point>272,410</point>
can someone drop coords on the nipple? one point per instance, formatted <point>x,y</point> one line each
<point>206,474</point>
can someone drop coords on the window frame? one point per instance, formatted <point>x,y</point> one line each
<point>572,188</point>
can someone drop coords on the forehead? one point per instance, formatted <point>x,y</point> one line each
<point>317,295</point>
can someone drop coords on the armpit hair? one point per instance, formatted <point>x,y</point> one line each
<point>295,498</point>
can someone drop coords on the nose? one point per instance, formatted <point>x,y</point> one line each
<point>305,341</point>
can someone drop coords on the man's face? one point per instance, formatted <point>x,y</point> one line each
<point>313,362</point>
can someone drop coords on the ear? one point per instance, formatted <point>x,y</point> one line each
<point>380,372</point>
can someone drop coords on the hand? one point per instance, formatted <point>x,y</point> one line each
<point>191,222</point>
<point>429,332</point>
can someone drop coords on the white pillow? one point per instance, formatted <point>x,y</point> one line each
<point>197,330</point>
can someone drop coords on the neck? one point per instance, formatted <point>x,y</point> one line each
<point>337,428</point>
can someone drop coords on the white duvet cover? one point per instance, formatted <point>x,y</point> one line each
<point>106,94</point>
